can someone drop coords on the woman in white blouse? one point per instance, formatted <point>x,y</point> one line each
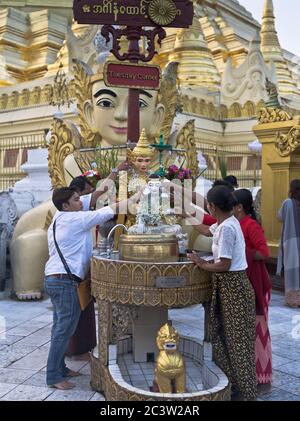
<point>233,300</point>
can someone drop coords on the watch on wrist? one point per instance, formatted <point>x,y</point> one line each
<point>115,171</point>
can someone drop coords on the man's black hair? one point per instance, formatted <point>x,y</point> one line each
<point>232,180</point>
<point>79,183</point>
<point>62,195</point>
<point>223,183</point>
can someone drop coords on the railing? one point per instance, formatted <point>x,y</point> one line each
<point>13,153</point>
<point>234,160</point>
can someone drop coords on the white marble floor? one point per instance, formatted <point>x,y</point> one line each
<point>24,342</point>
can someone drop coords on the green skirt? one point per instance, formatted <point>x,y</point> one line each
<point>233,330</point>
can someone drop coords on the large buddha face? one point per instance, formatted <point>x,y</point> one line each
<point>108,113</point>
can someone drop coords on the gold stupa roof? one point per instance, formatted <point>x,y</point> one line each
<point>272,52</point>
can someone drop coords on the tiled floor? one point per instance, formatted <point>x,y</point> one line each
<point>24,342</point>
<point>141,375</point>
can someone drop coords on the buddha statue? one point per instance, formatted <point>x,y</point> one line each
<point>102,119</point>
<point>140,160</point>
<point>106,112</point>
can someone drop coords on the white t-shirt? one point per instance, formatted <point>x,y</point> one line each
<point>74,238</point>
<point>229,243</point>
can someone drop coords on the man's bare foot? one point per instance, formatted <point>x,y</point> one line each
<point>72,373</point>
<point>65,385</point>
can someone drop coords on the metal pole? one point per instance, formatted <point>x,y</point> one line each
<point>217,163</point>
<point>254,169</point>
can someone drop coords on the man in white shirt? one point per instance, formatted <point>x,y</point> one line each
<point>74,239</point>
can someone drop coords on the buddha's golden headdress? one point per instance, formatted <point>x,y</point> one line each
<point>142,148</point>
<point>99,75</point>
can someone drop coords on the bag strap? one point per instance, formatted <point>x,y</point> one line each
<point>61,255</point>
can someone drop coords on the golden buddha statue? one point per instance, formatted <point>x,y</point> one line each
<point>140,160</point>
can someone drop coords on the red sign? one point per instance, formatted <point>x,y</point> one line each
<point>165,13</point>
<point>132,75</point>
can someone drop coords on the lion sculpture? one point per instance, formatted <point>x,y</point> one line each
<point>170,366</point>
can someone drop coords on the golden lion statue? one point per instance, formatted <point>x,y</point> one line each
<point>170,366</point>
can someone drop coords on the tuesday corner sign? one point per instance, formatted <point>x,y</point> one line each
<point>165,13</point>
<point>132,75</point>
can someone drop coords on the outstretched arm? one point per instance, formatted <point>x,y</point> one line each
<point>106,183</point>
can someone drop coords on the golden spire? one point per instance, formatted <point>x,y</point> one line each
<point>142,148</point>
<point>196,63</point>
<point>272,52</point>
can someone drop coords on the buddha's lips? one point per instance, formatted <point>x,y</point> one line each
<point>119,130</point>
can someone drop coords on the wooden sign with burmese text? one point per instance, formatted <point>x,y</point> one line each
<point>168,13</point>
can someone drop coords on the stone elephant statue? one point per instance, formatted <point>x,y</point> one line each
<point>29,251</point>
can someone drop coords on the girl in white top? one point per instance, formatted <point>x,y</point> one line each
<point>228,243</point>
<point>233,302</point>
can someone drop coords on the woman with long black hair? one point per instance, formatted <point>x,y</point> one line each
<point>256,253</point>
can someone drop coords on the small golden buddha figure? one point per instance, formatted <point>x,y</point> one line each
<point>140,159</point>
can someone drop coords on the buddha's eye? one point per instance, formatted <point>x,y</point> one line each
<point>105,103</point>
<point>142,103</point>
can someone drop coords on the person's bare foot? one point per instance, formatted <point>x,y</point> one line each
<point>72,373</point>
<point>64,385</point>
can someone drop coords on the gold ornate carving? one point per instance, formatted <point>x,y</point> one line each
<point>273,115</point>
<point>3,101</point>
<point>13,100</point>
<point>235,110</point>
<point>60,93</point>
<point>286,144</point>
<point>61,145</point>
<point>168,95</point>
<point>35,96</point>
<point>135,283</point>
<point>162,12</point>
<point>23,100</point>
<point>122,318</point>
<point>186,140</point>
<point>82,80</point>
<point>46,94</point>
<point>104,333</point>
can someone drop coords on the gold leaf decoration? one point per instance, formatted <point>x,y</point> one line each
<point>186,140</point>
<point>286,144</point>
<point>273,115</point>
<point>169,96</point>
<point>83,86</point>
<point>62,144</point>
<point>162,12</point>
